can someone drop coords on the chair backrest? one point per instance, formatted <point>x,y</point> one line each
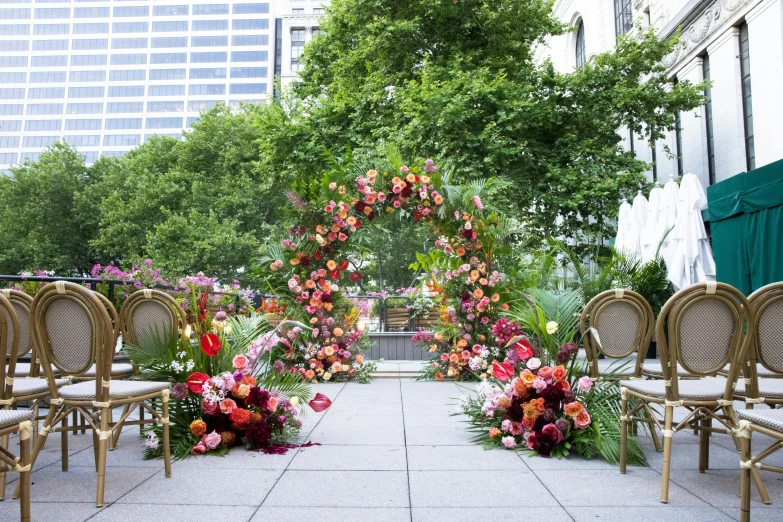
<point>21,303</point>
<point>702,328</point>
<point>150,314</point>
<point>9,345</point>
<point>115,319</point>
<point>72,330</point>
<point>623,321</point>
<point>767,306</point>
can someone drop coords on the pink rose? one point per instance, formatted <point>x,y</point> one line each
<point>585,384</point>
<point>545,372</point>
<point>240,362</point>
<point>198,449</point>
<point>582,420</point>
<point>509,442</point>
<point>552,433</point>
<point>271,403</point>
<point>210,407</point>
<point>506,425</point>
<point>517,428</point>
<point>211,440</point>
<point>539,384</point>
<point>444,357</point>
<point>227,406</point>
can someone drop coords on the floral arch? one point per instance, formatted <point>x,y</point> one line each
<point>308,266</point>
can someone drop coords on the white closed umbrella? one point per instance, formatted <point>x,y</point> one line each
<point>667,218</point>
<point>692,261</point>
<point>639,222</point>
<point>624,219</point>
<point>649,242</point>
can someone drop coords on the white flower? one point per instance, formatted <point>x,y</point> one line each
<point>176,366</point>
<point>189,365</point>
<point>327,376</point>
<point>551,327</point>
<point>181,355</point>
<point>294,401</point>
<point>534,363</point>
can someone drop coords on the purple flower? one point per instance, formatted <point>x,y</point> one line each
<point>562,425</point>
<point>221,316</point>
<point>179,391</point>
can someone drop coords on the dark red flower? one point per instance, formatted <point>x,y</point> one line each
<point>258,435</point>
<point>317,255</point>
<point>406,192</point>
<point>343,265</point>
<point>359,206</point>
<point>335,274</point>
<point>258,396</point>
<point>305,261</point>
<point>326,297</point>
<point>210,344</point>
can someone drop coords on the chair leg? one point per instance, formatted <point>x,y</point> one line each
<point>102,446</point>
<point>704,445</point>
<point>164,407</point>
<point>623,428</point>
<point>667,452</point>
<point>745,479</point>
<point>43,433</point>
<point>4,445</point>
<point>64,443</point>
<point>24,476</point>
<point>141,418</point>
<point>75,420</point>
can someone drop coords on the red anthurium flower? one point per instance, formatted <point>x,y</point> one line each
<point>317,255</point>
<point>335,274</point>
<point>524,349</point>
<point>210,344</point>
<point>355,277</point>
<point>342,265</point>
<point>202,307</point>
<point>320,402</point>
<point>503,371</point>
<point>196,382</point>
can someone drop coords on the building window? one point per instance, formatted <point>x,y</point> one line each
<point>623,16</point>
<point>747,98</point>
<point>297,10</point>
<point>318,10</point>
<point>581,56</point>
<point>297,46</point>
<point>710,133</point>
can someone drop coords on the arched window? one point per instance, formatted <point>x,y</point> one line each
<point>580,45</point>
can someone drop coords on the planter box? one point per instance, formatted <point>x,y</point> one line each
<point>395,346</point>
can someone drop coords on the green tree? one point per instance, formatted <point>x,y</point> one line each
<point>45,220</point>
<point>196,205</point>
<point>458,80</point>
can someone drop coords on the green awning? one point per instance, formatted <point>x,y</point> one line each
<point>746,221</point>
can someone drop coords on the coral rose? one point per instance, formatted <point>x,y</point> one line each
<point>240,391</point>
<point>240,416</point>
<point>582,420</point>
<point>271,403</point>
<point>198,427</point>
<point>563,385</point>
<point>227,406</point>
<point>240,362</point>
<point>249,380</point>
<point>360,358</point>
<point>439,376</point>
<point>527,377</point>
<point>494,433</point>
<point>572,409</point>
<point>545,372</point>
<point>558,373</point>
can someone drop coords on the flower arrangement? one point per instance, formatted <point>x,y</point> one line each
<point>228,388</point>
<point>538,398</point>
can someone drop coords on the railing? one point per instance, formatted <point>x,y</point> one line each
<point>112,283</point>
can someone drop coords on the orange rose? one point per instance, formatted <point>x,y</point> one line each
<point>240,416</point>
<point>249,380</point>
<point>294,261</point>
<point>478,293</point>
<point>539,404</point>
<point>474,274</point>
<point>410,178</point>
<point>331,265</point>
<point>198,427</point>
<point>360,358</point>
<point>309,374</point>
<point>240,390</point>
<point>351,221</point>
<point>438,376</point>
<point>573,409</point>
<point>462,343</point>
<point>494,433</point>
<point>558,373</point>
<point>483,281</point>
<point>454,358</point>
<point>433,348</point>
<point>504,307</point>
<point>527,377</point>
<point>460,252</point>
<point>328,307</point>
<point>495,298</point>
<point>338,332</point>
<point>439,200</point>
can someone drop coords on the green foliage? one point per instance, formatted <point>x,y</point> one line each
<point>458,81</point>
<point>46,219</point>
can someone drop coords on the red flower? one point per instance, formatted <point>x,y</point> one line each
<point>524,349</point>
<point>320,402</point>
<point>317,255</point>
<point>503,371</point>
<point>210,344</point>
<point>342,265</point>
<point>196,382</point>
<point>240,416</point>
<point>334,274</point>
<point>355,277</point>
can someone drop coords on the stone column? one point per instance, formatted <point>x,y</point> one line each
<point>694,128</point>
<point>727,117</point>
<point>765,42</point>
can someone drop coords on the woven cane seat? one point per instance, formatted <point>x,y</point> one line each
<point>9,417</point>
<point>769,418</point>
<point>32,386</point>
<point>707,389</point>
<point>23,370</point>
<point>772,388</point>
<point>117,389</point>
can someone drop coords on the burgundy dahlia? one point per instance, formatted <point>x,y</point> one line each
<point>257,397</point>
<point>258,435</point>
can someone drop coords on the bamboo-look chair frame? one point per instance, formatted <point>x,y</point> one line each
<point>126,324</point>
<point>102,344</point>
<point>21,464</point>
<point>761,302</point>
<point>669,330</point>
<point>22,303</point>
<point>591,318</point>
<point>750,463</point>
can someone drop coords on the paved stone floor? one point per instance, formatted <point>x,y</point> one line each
<point>390,451</point>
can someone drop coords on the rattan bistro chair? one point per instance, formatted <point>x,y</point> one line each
<point>767,422</point>
<point>73,331</point>
<point>21,303</point>
<point>18,421</point>
<point>763,382</point>
<point>702,328</point>
<point>616,324</point>
<point>145,316</point>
